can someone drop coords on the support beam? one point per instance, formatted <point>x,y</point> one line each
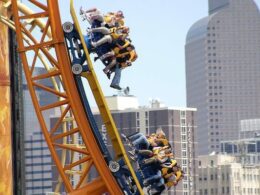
<point>17,117</point>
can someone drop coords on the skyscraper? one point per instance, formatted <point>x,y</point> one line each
<point>223,70</point>
<point>38,164</point>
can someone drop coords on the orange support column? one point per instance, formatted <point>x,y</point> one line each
<point>5,115</point>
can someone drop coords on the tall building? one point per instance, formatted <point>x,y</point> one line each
<point>221,174</point>
<point>178,124</point>
<point>38,166</point>
<point>223,70</point>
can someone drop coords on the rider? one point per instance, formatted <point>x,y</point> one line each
<point>112,27</point>
<point>119,46</point>
<point>109,20</point>
<point>91,15</point>
<point>172,178</point>
<point>151,141</point>
<point>160,155</point>
<point>121,63</point>
<point>140,141</point>
<point>161,138</point>
<point>110,35</point>
<point>114,19</point>
<point>125,59</point>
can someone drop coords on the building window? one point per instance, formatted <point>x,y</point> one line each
<point>199,163</point>
<point>147,131</point>
<point>183,146</point>
<point>137,115</point>
<point>211,177</point>
<point>183,114</point>
<point>183,121</point>
<point>212,163</point>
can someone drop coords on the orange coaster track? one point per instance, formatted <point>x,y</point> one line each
<point>54,52</point>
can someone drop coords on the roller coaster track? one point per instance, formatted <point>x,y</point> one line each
<point>43,42</point>
<point>40,24</point>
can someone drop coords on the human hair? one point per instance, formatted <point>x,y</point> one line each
<point>159,131</point>
<point>120,14</point>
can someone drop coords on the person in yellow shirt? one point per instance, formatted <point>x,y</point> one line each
<point>173,177</point>
<point>124,59</point>
<point>160,155</point>
<point>114,19</point>
<point>161,139</point>
<point>120,45</point>
<point>152,141</point>
<point>119,63</point>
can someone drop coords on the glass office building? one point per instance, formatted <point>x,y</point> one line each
<point>223,70</point>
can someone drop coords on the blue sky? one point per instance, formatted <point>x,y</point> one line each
<point>158,29</point>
